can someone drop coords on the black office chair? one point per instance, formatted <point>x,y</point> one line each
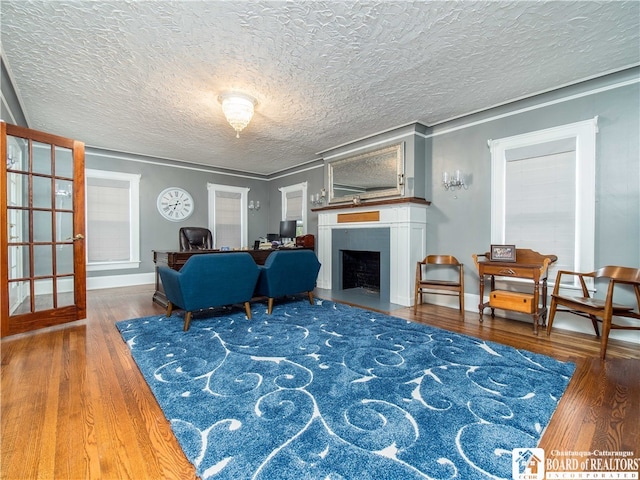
<point>195,238</point>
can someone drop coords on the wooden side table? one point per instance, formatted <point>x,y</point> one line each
<point>529,265</point>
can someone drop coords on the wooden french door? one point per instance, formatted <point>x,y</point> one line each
<point>42,228</point>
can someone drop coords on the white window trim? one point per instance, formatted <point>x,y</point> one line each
<point>585,134</point>
<point>283,201</point>
<point>134,219</point>
<point>244,194</point>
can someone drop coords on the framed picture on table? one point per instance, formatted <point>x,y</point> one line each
<point>503,253</point>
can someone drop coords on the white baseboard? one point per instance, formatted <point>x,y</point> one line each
<point>563,321</point>
<point>113,281</point>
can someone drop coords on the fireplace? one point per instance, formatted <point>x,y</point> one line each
<point>394,229</point>
<point>361,269</point>
<point>367,247</point>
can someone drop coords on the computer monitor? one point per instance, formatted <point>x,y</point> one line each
<point>288,229</point>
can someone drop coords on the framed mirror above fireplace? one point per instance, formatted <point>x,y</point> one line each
<point>374,174</point>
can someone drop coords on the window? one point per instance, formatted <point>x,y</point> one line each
<point>294,205</point>
<point>228,215</point>
<point>113,220</point>
<point>543,194</point>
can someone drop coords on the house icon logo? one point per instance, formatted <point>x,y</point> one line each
<point>527,464</point>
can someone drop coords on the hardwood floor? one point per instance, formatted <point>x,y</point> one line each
<point>74,404</point>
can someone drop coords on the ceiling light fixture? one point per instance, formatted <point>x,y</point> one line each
<point>238,108</point>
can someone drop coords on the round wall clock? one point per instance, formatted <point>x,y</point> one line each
<point>175,204</point>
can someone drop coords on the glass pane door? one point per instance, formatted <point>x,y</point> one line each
<point>44,229</point>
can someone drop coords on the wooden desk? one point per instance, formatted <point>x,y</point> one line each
<point>176,259</point>
<point>529,265</point>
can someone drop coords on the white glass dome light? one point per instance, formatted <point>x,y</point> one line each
<point>238,109</point>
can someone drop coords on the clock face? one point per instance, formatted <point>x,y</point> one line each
<point>175,204</point>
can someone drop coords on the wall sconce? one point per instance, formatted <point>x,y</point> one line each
<point>319,198</point>
<point>254,206</point>
<point>454,180</point>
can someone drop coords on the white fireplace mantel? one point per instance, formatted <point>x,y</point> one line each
<point>407,223</point>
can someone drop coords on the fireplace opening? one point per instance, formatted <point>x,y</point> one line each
<point>361,269</point>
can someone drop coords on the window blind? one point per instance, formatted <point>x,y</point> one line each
<point>108,220</point>
<point>540,206</point>
<point>228,226</point>
<point>294,205</point>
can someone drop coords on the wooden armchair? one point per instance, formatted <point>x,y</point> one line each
<point>426,283</point>
<point>598,310</point>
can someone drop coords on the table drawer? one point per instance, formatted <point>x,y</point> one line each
<point>512,271</point>
<point>516,301</point>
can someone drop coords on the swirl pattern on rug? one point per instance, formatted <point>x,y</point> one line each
<point>329,391</point>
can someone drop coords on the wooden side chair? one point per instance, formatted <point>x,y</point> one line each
<point>599,310</point>
<point>427,283</point>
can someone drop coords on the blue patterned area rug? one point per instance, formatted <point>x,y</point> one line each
<point>329,391</point>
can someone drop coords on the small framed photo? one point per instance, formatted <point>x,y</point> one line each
<point>503,253</point>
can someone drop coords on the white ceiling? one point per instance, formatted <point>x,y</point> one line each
<point>144,77</point>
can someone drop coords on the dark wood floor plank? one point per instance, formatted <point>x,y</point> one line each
<point>74,404</point>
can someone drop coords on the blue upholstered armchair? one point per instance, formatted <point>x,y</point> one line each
<point>210,280</point>
<point>287,272</point>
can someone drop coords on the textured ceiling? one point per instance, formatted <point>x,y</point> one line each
<point>144,77</point>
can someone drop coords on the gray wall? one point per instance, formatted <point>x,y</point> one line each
<point>156,233</point>
<point>11,111</point>
<point>313,173</point>
<point>459,222</point>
